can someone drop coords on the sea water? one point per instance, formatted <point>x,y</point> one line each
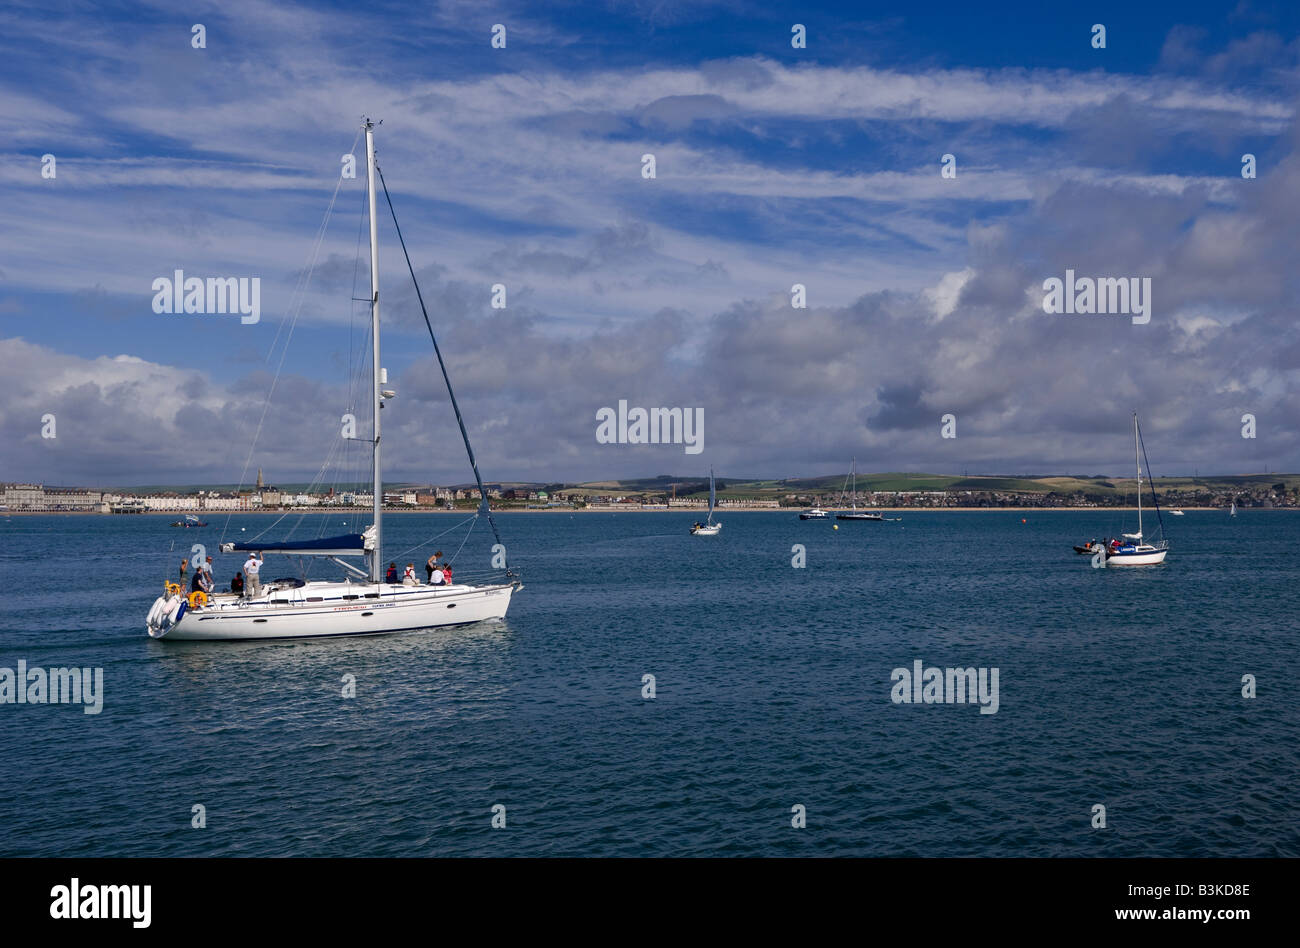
<point>772,729</point>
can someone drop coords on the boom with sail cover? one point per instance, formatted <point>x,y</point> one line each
<point>349,544</point>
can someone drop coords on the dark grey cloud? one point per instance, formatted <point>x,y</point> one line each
<point>901,406</point>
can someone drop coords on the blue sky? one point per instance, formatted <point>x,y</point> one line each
<point>775,165</point>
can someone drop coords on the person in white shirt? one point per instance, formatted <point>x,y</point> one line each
<point>252,584</point>
<point>408,578</point>
<point>436,578</point>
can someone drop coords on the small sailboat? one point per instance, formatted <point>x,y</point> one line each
<point>1134,550</point>
<point>1233,511</point>
<point>708,528</point>
<point>1175,513</point>
<point>853,513</point>
<point>364,601</point>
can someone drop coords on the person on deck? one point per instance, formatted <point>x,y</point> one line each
<point>184,564</point>
<point>391,575</point>
<point>446,573</point>
<point>436,576</point>
<point>204,578</point>
<point>252,584</point>
<point>432,566</point>
<point>408,577</point>
<point>237,584</point>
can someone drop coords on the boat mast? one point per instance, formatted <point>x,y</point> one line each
<point>853,501</point>
<point>1137,458</point>
<point>376,555</point>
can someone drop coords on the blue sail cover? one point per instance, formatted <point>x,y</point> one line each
<point>350,544</point>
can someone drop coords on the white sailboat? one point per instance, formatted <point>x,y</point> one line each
<point>1135,551</point>
<point>362,603</point>
<point>853,513</point>
<point>1233,511</point>
<point>708,528</point>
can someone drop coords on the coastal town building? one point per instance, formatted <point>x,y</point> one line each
<point>35,497</point>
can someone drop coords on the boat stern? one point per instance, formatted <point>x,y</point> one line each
<point>163,615</point>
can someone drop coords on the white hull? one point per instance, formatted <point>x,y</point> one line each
<point>323,609</point>
<point>1141,558</point>
<point>707,531</point>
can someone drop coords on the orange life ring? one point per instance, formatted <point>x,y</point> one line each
<point>198,598</point>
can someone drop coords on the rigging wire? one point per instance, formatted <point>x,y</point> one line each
<point>299,294</point>
<point>349,471</point>
<point>439,536</point>
<point>294,310</point>
<point>484,508</point>
<point>1150,480</point>
<point>352,323</point>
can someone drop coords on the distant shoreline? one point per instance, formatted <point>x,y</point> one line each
<point>630,509</point>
